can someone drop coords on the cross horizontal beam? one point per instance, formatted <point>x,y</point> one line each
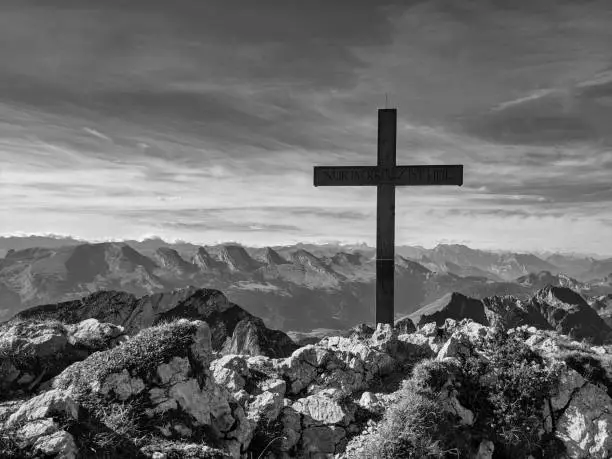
<point>388,175</point>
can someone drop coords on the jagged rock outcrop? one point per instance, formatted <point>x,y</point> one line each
<point>204,261</point>
<point>171,260</point>
<point>272,258</point>
<point>119,308</point>
<point>236,258</point>
<point>568,313</point>
<point>511,312</point>
<point>31,353</point>
<point>233,329</point>
<point>451,306</point>
<point>314,400</point>
<point>347,259</point>
<point>135,314</point>
<point>314,269</point>
<point>250,336</point>
<point>543,279</point>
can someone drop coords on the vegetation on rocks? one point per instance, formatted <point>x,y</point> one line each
<point>18,352</point>
<point>140,355</point>
<point>515,382</point>
<point>417,426</point>
<point>460,389</point>
<point>506,391</point>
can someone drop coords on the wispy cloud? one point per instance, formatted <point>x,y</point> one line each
<point>203,119</point>
<point>97,134</point>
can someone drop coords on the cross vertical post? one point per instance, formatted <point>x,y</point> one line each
<point>385,219</point>
<point>386,175</point>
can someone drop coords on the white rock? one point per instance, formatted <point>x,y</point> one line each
<point>429,329</point>
<point>60,443</point>
<point>599,350</point>
<point>39,428</point>
<point>45,405</point>
<point>369,401</point>
<point>91,331</point>
<point>586,425</point>
<point>323,408</point>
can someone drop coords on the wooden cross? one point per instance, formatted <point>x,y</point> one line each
<point>386,176</point>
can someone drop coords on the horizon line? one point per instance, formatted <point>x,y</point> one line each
<point>329,242</point>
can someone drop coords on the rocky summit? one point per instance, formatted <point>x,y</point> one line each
<point>231,326</point>
<point>200,377</point>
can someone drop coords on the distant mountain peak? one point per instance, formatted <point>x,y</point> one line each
<point>237,258</point>
<point>203,260</point>
<point>272,257</point>
<point>344,258</point>
<point>170,259</point>
<point>561,294</point>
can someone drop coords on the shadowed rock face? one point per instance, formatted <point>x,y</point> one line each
<point>512,312</point>
<point>171,260</point>
<point>119,308</point>
<point>451,306</point>
<point>568,313</point>
<point>135,314</point>
<point>233,329</point>
<point>251,337</point>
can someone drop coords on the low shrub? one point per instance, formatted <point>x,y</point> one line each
<point>417,426</point>
<point>433,373</point>
<point>501,380</point>
<point>141,354</point>
<point>506,391</point>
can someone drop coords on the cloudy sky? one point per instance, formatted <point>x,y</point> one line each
<point>201,120</point>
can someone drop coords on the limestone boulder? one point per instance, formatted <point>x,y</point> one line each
<point>267,401</point>
<point>458,345</point>
<point>230,371</point>
<point>370,401</point>
<point>300,368</point>
<point>58,444</point>
<point>585,427</point>
<point>45,437</point>
<point>363,331</point>
<point>33,352</point>
<point>44,406</point>
<point>93,334</point>
<point>324,407</point>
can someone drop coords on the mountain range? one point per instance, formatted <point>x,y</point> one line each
<point>299,287</point>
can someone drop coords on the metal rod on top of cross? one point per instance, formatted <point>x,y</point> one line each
<point>386,175</point>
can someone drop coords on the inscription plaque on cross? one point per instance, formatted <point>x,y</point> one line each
<point>386,176</point>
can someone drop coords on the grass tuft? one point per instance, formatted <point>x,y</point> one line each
<point>140,355</point>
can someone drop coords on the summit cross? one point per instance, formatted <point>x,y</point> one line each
<point>386,176</point>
